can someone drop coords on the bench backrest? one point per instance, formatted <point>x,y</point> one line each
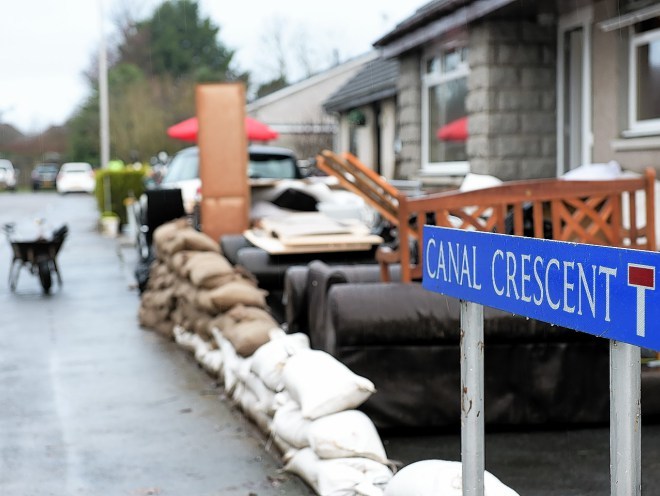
<point>595,212</point>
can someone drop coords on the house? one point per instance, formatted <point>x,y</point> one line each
<point>545,86</point>
<point>297,114</point>
<point>366,110</point>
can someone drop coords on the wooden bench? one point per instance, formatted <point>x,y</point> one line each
<point>595,212</point>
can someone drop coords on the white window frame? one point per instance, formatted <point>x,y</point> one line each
<point>581,18</point>
<point>453,168</point>
<point>638,127</point>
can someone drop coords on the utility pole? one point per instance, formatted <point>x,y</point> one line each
<point>103,94</point>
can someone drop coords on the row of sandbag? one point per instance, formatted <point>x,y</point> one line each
<point>303,399</point>
<point>193,286</point>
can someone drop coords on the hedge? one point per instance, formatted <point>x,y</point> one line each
<point>123,184</point>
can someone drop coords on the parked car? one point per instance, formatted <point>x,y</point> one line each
<point>264,162</point>
<point>44,176</point>
<point>7,175</point>
<point>76,177</point>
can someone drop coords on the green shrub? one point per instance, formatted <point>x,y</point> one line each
<point>122,185</point>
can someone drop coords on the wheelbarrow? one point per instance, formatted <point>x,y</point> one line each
<point>37,253</point>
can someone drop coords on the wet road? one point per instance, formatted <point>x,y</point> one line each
<point>90,404</point>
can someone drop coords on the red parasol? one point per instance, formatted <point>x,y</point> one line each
<point>256,130</point>
<point>454,131</point>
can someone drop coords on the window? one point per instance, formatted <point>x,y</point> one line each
<point>444,84</point>
<point>644,106</point>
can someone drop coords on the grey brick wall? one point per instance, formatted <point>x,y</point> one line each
<point>409,109</point>
<point>511,99</point>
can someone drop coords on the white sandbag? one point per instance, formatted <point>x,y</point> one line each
<point>346,434</point>
<point>201,348</point>
<point>434,477</point>
<point>322,385</point>
<point>289,424</point>
<point>286,450</point>
<point>212,362</point>
<point>339,476</point>
<point>231,362</point>
<point>269,359</point>
<point>185,339</point>
<point>265,396</point>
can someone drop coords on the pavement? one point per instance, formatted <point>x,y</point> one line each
<point>91,404</point>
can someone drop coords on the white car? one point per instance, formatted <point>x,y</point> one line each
<point>76,177</point>
<point>265,162</point>
<point>7,175</point>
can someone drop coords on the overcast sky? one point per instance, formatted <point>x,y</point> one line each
<point>45,45</point>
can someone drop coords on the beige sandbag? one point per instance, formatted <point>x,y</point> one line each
<point>201,327</point>
<point>151,317</point>
<point>242,313</point>
<point>167,230</point>
<point>158,269</point>
<point>178,262</point>
<point>202,268</point>
<point>195,240</point>
<point>158,298</point>
<point>238,292</point>
<point>246,337</point>
<point>165,328</point>
<point>217,281</point>
<point>204,302</point>
<point>222,322</point>
<point>169,247</point>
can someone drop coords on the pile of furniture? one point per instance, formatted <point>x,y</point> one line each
<point>406,340</point>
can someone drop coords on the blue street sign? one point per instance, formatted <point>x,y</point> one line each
<point>609,292</point>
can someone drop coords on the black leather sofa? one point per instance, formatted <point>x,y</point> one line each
<point>407,340</point>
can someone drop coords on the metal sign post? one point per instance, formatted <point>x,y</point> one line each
<point>608,292</point>
<point>472,398</point>
<point>625,420</point>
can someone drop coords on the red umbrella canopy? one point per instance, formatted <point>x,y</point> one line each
<point>454,131</point>
<point>256,130</point>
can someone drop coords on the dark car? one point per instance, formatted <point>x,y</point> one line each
<point>44,176</point>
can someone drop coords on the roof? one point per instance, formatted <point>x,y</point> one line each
<point>283,93</point>
<point>425,14</point>
<point>375,81</point>
<point>432,20</point>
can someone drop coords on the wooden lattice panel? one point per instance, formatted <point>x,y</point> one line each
<point>580,211</point>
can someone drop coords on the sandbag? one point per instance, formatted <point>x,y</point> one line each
<point>212,362</point>
<point>339,476</point>
<point>150,317</point>
<point>322,385</point>
<point>433,477</point>
<point>346,434</point>
<point>178,263</point>
<point>167,231</point>
<point>265,396</point>
<point>217,281</point>
<point>269,360</point>
<point>248,336</point>
<point>204,302</point>
<point>289,425</point>
<point>205,265</point>
<point>195,240</point>
<point>238,292</point>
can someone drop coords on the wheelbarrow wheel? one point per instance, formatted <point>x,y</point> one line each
<point>44,276</point>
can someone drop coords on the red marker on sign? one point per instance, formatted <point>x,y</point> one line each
<point>642,277</point>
